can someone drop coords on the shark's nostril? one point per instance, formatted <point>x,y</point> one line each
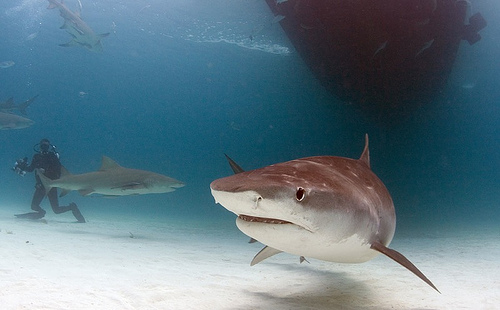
<point>257,200</point>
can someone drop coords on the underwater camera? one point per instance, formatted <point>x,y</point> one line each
<point>20,166</point>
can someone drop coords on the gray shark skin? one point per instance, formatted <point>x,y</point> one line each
<point>325,207</point>
<point>13,121</point>
<point>9,106</point>
<point>112,180</point>
<point>82,34</point>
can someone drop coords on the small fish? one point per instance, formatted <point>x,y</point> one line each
<point>6,64</point>
<point>277,19</point>
<point>82,94</point>
<point>306,27</point>
<point>32,36</point>
<point>381,47</point>
<point>469,85</point>
<point>425,46</point>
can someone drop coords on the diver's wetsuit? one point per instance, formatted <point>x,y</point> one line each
<point>49,162</point>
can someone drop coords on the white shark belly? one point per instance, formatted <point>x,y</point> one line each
<point>295,240</point>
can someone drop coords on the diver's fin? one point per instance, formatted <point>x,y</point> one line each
<point>266,252</point>
<point>402,260</point>
<point>30,215</point>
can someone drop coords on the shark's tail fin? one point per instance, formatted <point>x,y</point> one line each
<point>24,105</point>
<point>64,172</point>
<point>46,182</point>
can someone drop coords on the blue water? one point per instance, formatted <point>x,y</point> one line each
<point>179,84</point>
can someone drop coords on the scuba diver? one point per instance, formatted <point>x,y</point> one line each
<point>46,161</point>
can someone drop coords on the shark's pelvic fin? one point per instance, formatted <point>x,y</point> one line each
<point>86,192</point>
<point>266,252</point>
<point>402,260</point>
<point>64,192</point>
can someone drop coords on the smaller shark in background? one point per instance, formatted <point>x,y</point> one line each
<point>13,121</point>
<point>82,34</point>
<point>112,180</point>
<point>9,106</point>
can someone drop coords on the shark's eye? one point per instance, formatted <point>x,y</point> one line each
<point>300,194</point>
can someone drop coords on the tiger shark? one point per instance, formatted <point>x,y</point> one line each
<point>325,207</point>
<point>82,34</point>
<point>13,121</point>
<point>112,180</point>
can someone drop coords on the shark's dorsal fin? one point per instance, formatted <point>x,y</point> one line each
<point>402,260</point>
<point>9,102</point>
<point>234,166</point>
<point>266,252</point>
<point>365,156</point>
<point>64,171</point>
<point>108,163</point>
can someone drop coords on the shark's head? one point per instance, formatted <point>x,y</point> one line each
<point>157,183</point>
<point>14,121</point>
<point>25,123</point>
<point>325,207</point>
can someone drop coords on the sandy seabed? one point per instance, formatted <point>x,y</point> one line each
<point>131,263</point>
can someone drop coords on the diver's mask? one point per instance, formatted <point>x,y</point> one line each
<point>45,147</point>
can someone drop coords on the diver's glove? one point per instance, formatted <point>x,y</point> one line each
<point>20,166</point>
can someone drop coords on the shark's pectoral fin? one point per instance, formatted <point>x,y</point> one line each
<point>64,192</point>
<point>402,260</point>
<point>266,252</point>
<point>86,192</point>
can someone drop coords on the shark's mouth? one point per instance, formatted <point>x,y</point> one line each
<point>248,218</point>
